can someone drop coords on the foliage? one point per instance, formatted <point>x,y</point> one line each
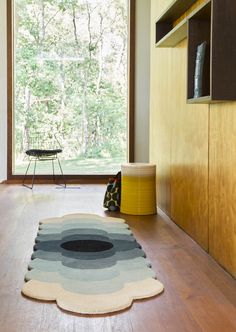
<point>71,75</point>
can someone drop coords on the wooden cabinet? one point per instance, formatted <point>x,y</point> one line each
<point>194,145</point>
<point>222,185</point>
<point>214,22</point>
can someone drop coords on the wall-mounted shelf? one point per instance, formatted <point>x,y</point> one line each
<point>175,36</point>
<point>204,100</point>
<point>168,34</point>
<point>213,22</point>
<point>165,27</point>
<point>175,10</point>
<point>200,100</point>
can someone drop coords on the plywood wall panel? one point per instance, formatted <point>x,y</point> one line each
<point>194,147</point>
<point>160,111</point>
<point>189,155</point>
<point>178,140</point>
<point>222,185</point>
<point>161,6</point>
<point>160,134</point>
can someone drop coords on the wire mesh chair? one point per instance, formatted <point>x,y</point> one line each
<point>43,147</point>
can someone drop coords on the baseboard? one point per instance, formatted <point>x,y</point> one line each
<point>68,181</point>
<point>164,215</point>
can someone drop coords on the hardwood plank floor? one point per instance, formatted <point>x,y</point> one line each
<point>199,295</point>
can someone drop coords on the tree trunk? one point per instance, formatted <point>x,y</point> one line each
<point>42,30</point>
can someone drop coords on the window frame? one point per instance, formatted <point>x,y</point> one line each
<point>90,178</point>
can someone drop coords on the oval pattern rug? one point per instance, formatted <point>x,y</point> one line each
<point>89,265</point>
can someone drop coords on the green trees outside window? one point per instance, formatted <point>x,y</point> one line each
<point>70,79</point>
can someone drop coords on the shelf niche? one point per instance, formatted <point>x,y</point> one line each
<point>199,31</point>
<point>214,22</point>
<point>164,24</point>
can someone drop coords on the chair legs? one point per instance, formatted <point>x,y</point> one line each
<point>63,178</point>
<point>32,183</point>
<point>35,162</point>
<point>26,173</point>
<point>53,174</point>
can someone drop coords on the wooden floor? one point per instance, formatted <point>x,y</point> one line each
<point>199,295</point>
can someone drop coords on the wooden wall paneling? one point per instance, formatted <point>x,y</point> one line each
<point>160,135</point>
<point>160,115</point>
<point>160,6</point>
<point>178,194</point>
<point>189,174</point>
<point>222,185</point>
<point>189,155</point>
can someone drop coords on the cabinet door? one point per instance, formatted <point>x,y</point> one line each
<point>222,185</point>
<point>189,154</point>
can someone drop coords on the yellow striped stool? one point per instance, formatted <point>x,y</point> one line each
<point>138,189</point>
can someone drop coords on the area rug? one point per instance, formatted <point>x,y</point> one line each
<point>89,265</point>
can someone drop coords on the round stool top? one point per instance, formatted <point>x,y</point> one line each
<point>138,169</point>
<point>138,165</point>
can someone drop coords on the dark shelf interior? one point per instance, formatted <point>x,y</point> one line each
<point>177,34</point>
<point>165,23</point>
<point>199,30</point>
<point>175,10</point>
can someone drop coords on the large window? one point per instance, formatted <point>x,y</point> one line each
<point>70,79</point>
